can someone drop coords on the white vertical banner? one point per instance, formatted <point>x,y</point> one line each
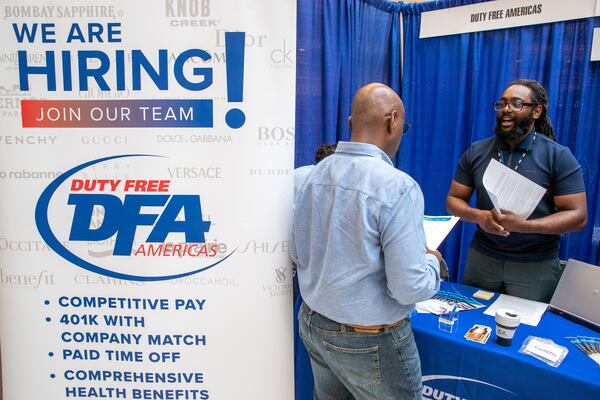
<point>146,158</point>
<point>596,45</point>
<point>596,38</point>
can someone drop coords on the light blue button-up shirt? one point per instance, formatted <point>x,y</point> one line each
<point>357,239</point>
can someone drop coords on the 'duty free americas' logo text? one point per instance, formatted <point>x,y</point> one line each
<point>153,224</point>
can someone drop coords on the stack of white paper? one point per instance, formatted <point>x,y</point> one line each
<point>511,191</point>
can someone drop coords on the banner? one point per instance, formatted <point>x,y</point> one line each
<point>596,45</point>
<point>146,172</point>
<point>501,14</point>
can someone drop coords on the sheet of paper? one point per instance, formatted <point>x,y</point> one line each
<point>531,311</point>
<point>511,191</point>
<point>437,228</point>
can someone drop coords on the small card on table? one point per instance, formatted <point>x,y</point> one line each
<point>479,333</point>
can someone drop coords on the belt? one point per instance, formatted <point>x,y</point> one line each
<point>374,329</point>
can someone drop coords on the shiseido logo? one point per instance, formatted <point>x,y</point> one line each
<point>266,247</point>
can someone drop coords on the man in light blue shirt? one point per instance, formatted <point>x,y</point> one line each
<point>359,246</point>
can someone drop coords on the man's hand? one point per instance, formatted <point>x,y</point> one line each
<point>509,220</point>
<point>488,223</point>
<point>436,253</point>
<point>457,204</point>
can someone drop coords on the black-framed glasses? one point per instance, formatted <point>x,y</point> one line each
<point>515,105</point>
<point>405,126</point>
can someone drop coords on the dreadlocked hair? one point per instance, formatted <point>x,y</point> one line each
<point>539,96</point>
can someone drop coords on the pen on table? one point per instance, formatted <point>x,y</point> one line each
<point>453,312</point>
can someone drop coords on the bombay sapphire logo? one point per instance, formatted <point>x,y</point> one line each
<point>461,388</point>
<point>155,227</point>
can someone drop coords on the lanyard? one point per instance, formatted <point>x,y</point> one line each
<point>501,156</point>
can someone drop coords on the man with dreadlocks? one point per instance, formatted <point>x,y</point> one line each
<point>510,254</point>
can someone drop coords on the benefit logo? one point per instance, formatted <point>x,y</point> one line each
<point>155,227</point>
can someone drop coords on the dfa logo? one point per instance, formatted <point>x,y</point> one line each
<point>154,227</point>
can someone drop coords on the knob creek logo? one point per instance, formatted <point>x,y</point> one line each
<point>156,232</point>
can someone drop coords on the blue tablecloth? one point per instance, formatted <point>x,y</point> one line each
<point>456,369</point>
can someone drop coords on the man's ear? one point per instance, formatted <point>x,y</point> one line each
<point>392,120</point>
<point>350,123</point>
<point>537,111</point>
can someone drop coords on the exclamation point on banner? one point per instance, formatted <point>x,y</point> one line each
<point>234,57</point>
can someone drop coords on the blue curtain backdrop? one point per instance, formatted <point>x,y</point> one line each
<point>342,45</point>
<point>449,84</point>
<point>447,87</point>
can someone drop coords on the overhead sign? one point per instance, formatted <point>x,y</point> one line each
<point>502,14</point>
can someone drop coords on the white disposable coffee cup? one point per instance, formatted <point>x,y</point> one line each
<point>506,324</point>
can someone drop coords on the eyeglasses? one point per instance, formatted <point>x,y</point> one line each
<point>515,105</point>
<point>405,127</point>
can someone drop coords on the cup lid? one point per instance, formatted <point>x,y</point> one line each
<point>507,317</point>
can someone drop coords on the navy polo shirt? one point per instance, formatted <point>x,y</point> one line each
<point>547,163</point>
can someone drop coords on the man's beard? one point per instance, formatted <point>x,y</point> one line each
<point>521,126</point>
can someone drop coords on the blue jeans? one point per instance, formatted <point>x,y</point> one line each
<point>352,365</point>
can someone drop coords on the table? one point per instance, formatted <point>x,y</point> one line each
<point>457,369</point>
<point>469,370</point>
